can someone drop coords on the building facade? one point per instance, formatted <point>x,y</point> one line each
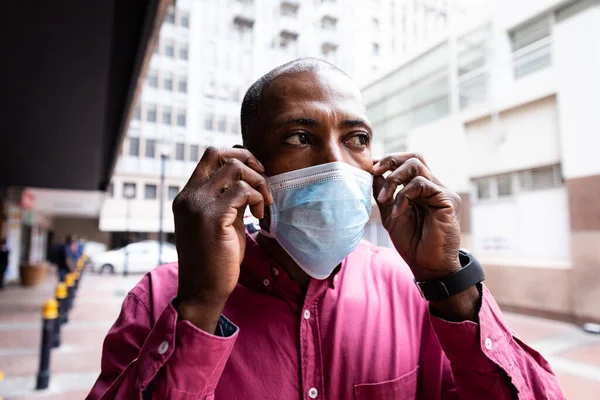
<point>506,113</point>
<point>208,55</point>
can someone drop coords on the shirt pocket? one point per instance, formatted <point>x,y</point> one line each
<point>402,388</point>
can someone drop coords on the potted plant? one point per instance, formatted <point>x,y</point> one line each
<point>33,273</point>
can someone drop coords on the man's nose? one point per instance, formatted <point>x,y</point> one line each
<point>332,151</point>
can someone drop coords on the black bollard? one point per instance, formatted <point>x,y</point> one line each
<point>70,281</point>
<point>49,321</point>
<point>61,297</point>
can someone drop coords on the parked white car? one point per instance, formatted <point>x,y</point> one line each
<point>93,248</point>
<point>141,258</point>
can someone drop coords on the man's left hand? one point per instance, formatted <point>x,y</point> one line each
<point>422,219</point>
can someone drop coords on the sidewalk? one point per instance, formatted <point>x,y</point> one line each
<point>573,354</point>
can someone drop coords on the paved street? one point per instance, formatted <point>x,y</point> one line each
<point>574,355</point>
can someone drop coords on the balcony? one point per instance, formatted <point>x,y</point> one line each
<point>244,14</point>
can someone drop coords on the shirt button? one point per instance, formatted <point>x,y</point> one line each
<point>306,314</point>
<point>266,282</point>
<point>488,343</point>
<point>275,271</point>
<point>312,393</point>
<point>164,346</point>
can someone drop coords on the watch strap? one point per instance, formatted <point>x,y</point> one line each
<point>469,275</point>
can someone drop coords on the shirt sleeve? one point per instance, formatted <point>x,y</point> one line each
<point>488,361</point>
<point>170,360</point>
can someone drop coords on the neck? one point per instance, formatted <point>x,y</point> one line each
<point>274,249</point>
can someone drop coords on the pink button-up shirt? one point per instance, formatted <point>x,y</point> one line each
<point>363,333</point>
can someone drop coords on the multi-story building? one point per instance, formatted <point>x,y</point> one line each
<point>506,114</point>
<point>209,53</point>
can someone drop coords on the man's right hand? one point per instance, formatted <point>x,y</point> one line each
<point>209,230</point>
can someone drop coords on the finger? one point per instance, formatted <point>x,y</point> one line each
<point>426,192</point>
<point>234,170</point>
<point>241,194</point>
<point>409,170</point>
<point>393,161</point>
<point>213,159</point>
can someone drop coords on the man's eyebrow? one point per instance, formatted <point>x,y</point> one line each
<point>352,123</point>
<point>301,121</point>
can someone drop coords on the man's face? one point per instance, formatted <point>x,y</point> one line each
<point>312,118</point>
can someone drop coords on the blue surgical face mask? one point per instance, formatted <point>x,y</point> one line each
<point>319,214</point>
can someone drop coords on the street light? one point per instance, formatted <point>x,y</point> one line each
<point>165,151</point>
<point>128,194</point>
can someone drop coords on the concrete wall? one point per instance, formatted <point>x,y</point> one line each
<point>86,227</point>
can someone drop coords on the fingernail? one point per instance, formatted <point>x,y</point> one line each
<point>381,196</point>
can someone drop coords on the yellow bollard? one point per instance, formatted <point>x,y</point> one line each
<point>70,281</point>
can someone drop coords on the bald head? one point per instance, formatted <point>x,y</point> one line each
<point>251,104</point>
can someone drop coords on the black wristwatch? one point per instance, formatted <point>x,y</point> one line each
<point>469,275</point>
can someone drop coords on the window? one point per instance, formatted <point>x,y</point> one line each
<point>531,47</point>
<point>194,152</point>
<point>172,192</point>
<point>166,115</point>
<point>170,17</point>
<point>168,81</point>
<point>329,51</point>
<point>153,78</point>
<point>182,85</point>
<point>287,39</point>
<point>289,9</point>
<point>328,23</point>
<point>375,50</point>
<point>150,148</point>
<point>181,118</point>
<point>375,24</point>
<point>234,126</point>
<point>540,178</point>
<point>134,147</point>
<point>170,49</point>
<point>504,185</point>
<point>472,67</point>
<point>138,113</point>
<point>151,113</point>
<point>149,192</point>
<point>221,124</point>
<point>183,52</point>
<point>179,151</point>
<point>483,189</point>
<point>185,19</point>
<point>208,122</point>
<point>129,190</point>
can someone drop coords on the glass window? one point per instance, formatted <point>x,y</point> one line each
<point>181,118</point>
<point>149,192</point>
<point>185,19</point>
<point>151,113</point>
<point>134,147</point>
<point>170,49</point>
<point>153,78</point>
<point>221,124</point>
<point>179,151</point>
<point>483,189</point>
<point>168,81</point>
<point>170,17</point>
<point>504,185</point>
<point>375,24</point>
<point>375,49</point>
<point>208,123</point>
<point>166,115</point>
<point>183,52</point>
<point>328,23</point>
<point>182,85</point>
<point>531,47</point>
<point>129,190</point>
<point>194,152</point>
<point>150,148</point>
<point>289,9</point>
<point>172,192</point>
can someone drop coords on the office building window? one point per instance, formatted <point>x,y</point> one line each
<point>375,50</point>
<point>168,81</point>
<point>183,51</point>
<point>138,113</point>
<point>531,47</point>
<point>151,113</point>
<point>179,151</point>
<point>166,115</point>
<point>483,189</point>
<point>149,191</point>
<point>208,122</point>
<point>129,190</point>
<point>194,152</point>
<point>328,23</point>
<point>153,78</point>
<point>289,9</point>
<point>472,68</point>
<point>221,124</point>
<point>181,118</point>
<point>375,24</point>
<point>170,17</point>
<point>234,126</point>
<point>134,147</point>
<point>184,19</point>
<point>504,183</point>
<point>172,192</point>
<point>182,85</point>
<point>150,148</point>
<point>170,49</point>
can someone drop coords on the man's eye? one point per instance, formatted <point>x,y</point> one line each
<point>298,139</point>
<point>358,140</point>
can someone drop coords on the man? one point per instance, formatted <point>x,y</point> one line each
<point>66,258</point>
<point>4,253</point>
<point>303,309</point>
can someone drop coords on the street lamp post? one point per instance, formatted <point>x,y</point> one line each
<point>128,193</point>
<point>164,156</point>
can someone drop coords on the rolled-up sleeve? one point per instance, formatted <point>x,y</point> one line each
<point>170,360</point>
<point>489,362</point>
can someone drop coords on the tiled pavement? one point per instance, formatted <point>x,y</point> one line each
<point>573,354</point>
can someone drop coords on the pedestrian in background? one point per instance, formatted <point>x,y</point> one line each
<point>4,252</point>
<point>65,258</point>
